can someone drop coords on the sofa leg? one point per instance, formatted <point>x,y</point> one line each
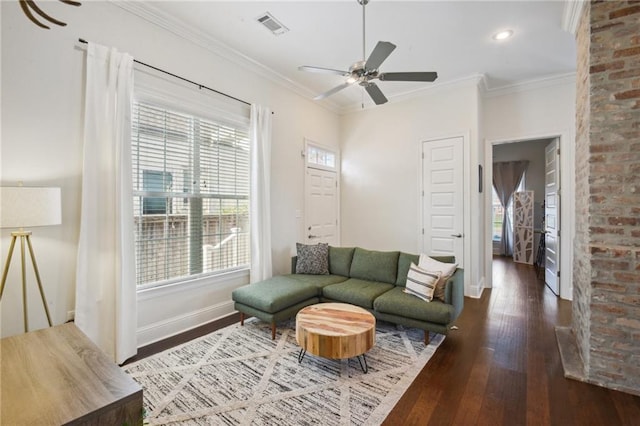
<point>273,331</point>
<point>426,337</point>
<point>241,318</point>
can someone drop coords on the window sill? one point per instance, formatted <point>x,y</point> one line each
<point>231,278</point>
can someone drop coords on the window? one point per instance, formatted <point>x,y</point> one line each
<point>191,195</point>
<point>317,156</point>
<point>497,216</point>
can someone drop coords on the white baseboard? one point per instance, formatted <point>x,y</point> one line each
<point>475,291</point>
<point>170,327</point>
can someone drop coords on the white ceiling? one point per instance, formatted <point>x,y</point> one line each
<point>453,38</point>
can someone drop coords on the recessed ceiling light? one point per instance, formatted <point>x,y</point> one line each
<point>502,35</point>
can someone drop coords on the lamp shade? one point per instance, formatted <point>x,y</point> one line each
<point>24,207</point>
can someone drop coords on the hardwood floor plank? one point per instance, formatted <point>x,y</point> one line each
<point>475,389</point>
<point>627,407</point>
<point>525,381</point>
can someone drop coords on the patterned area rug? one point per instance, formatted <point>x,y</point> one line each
<point>239,376</point>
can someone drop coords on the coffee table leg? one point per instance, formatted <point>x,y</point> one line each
<point>365,367</point>
<point>301,355</point>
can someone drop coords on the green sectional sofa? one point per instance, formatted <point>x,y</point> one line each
<point>373,280</point>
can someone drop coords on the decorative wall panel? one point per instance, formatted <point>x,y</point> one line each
<point>523,250</point>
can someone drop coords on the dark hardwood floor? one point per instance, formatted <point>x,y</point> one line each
<point>501,367</point>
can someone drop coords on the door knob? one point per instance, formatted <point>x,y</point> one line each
<point>457,235</point>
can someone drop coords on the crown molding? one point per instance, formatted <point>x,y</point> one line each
<point>571,15</point>
<point>538,83</point>
<point>153,15</point>
<point>476,80</point>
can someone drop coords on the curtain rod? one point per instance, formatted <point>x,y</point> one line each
<point>200,86</point>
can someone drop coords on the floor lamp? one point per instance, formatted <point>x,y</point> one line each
<point>25,207</point>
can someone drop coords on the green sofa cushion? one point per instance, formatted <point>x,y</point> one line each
<point>444,259</point>
<point>381,266</point>
<point>356,292</point>
<point>274,294</point>
<point>405,259</point>
<point>319,281</point>
<point>340,260</point>
<point>397,302</point>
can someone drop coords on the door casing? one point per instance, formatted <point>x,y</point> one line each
<point>567,231</point>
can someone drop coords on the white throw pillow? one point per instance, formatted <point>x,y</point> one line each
<point>421,283</point>
<point>445,269</point>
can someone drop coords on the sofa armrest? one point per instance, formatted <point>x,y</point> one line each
<point>454,291</point>
<point>294,262</point>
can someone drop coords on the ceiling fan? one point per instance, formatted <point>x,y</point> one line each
<point>363,72</point>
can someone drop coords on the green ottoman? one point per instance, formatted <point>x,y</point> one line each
<point>273,300</point>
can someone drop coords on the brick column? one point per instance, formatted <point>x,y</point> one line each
<point>606,297</point>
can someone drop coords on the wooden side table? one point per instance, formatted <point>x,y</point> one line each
<point>335,330</point>
<point>57,376</point>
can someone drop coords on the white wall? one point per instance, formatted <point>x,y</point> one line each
<point>538,110</point>
<point>381,171</point>
<point>42,107</point>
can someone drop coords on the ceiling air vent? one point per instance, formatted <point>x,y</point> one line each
<point>272,24</point>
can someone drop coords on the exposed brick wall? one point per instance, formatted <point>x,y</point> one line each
<point>582,262</point>
<point>607,245</point>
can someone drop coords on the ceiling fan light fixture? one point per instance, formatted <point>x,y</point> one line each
<point>503,35</point>
<point>366,70</point>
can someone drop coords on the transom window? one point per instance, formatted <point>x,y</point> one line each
<point>190,194</point>
<point>320,157</point>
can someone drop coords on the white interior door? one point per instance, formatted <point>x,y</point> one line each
<point>442,198</point>
<point>321,204</point>
<point>552,216</point>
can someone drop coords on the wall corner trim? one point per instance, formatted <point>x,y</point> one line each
<point>571,15</point>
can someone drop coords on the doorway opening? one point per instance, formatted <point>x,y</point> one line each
<point>525,211</point>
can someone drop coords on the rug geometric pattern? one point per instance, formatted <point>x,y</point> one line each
<point>239,376</point>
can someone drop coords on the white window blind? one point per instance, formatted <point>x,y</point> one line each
<point>191,195</point>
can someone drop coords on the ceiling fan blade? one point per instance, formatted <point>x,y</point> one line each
<point>376,94</point>
<point>382,50</point>
<point>408,76</point>
<point>332,91</point>
<point>323,70</point>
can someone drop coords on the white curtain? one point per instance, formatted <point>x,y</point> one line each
<point>105,276</point>
<point>260,204</point>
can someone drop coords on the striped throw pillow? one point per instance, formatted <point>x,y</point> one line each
<point>446,270</point>
<point>421,283</point>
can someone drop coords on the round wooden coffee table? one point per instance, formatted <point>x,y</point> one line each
<point>335,330</point>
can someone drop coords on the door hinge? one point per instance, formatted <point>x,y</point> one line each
<point>422,231</point>
<point>558,151</point>
<point>336,184</point>
<point>558,274</point>
<point>423,155</point>
<point>423,192</point>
